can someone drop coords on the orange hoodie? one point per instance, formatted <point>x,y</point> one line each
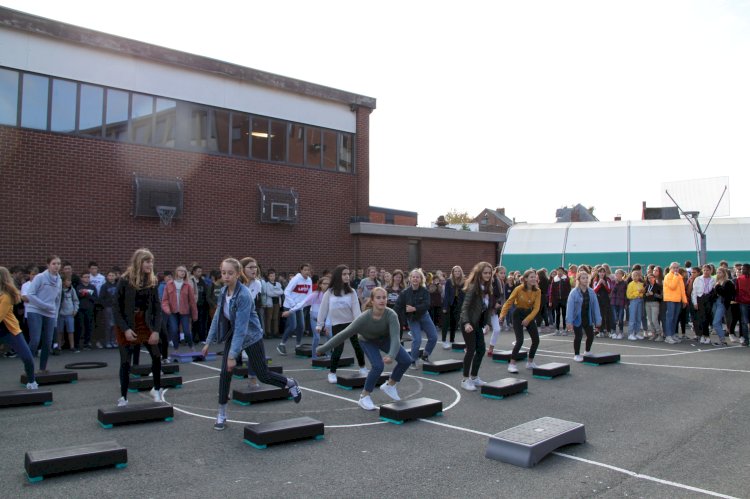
<point>674,288</point>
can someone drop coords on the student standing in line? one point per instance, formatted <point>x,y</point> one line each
<point>476,312</point>
<point>634,294</point>
<point>603,288</point>
<point>10,330</point>
<point>675,298</point>
<point>559,291</point>
<point>395,289</point>
<point>297,290</point>
<point>652,302</point>
<point>107,299</point>
<point>701,297</point>
<point>236,324</point>
<point>453,300</point>
<point>44,294</point>
<point>366,285</point>
<point>66,319</point>
<point>526,298</point>
<point>272,292</point>
<point>618,300</point>
<point>138,316</point>
<point>414,301</point>
<point>87,299</point>
<point>340,307</point>
<point>724,295</point>
<point>582,314</point>
<point>378,330</point>
<point>499,290</point>
<point>179,306</point>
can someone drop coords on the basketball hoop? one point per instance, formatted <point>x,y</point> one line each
<point>166,213</point>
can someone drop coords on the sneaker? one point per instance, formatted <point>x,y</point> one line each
<point>390,390</point>
<point>220,424</point>
<point>742,340</point>
<point>732,339</point>
<point>122,402</point>
<point>670,340</point>
<point>11,354</point>
<point>425,358</point>
<point>678,339</point>
<point>639,336</point>
<point>659,338</point>
<point>32,386</point>
<point>632,337</point>
<point>77,350</point>
<point>557,332</point>
<point>578,358</point>
<point>281,348</point>
<point>87,347</point>
<point>413,366</point>
<point>720,343</point>
<point>446,345</point>
<point>531,365</point>
<point>99,345</point>
<point>619,336</point>
<point>366,403</point>
<point>157,395</point>
<point>363,371</point>
<point>478,381</point>
<point>564,332</point>
<point>468,385</point>
<point>332,378</point>
<point>512,368</point>
<point>294,390</point>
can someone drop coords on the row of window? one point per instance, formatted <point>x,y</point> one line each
<point>45,103</point>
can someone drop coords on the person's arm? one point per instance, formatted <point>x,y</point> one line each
<point>509,302</point>
<point>241,320</point>
<point>289,298</point>
<point>658,292</point>
<point>671,282</point>
<point>422,307</point>
<point>356,309</point>
<point>6,307</point>
<point>344,335</point>
<point>119,307</point>
<point>323,310</point>
<point>465,317</point>
<point>300,305</point>
<point>193,303</point>
<point>570,309</point>
<point>394,330</point>
<point>448,293</point>
<point>165,300</point>
<point>694,296</point>
<point>76,303</point>
<point>34,299</point>
<point>597,311</point>
<point>157,317</point>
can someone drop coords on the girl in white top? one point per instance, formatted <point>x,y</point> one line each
<point>340,305</point>
<point>314,300</point>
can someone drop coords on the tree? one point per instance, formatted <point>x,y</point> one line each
<point>455,217</point>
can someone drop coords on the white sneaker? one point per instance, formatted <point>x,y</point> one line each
<point>32,386</point>
<point>468,385</point>
<point>366,403</point>
<point>446,345</point>
<point>631,337</point>
<point>557,332</point>
<point>244,356</point>
<point>512,368</point>
<point>638,336</point>
<point>158,395</point>
<point>122,402</point>
<point>531,365</point>
<point>742,340</point>
<point>363,371</point>
<point>478,381</point>
<point>390,390</point>
<point>332,378</point>
<point>414,366</point>
<point>578,358</point>
<point>619,336</point>
<point>670,340</point>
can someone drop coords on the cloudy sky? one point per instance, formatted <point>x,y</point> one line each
<point>525,105</point>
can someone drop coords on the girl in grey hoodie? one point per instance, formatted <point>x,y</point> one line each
<point>42,308</point>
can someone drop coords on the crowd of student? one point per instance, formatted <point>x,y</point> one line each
<point>54,309</point>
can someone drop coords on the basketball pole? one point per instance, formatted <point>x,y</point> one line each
<point>692,218</point>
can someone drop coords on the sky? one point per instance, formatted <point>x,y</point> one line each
<point>524,105</point>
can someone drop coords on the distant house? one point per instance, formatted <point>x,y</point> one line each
<point>577,213</point>
<point>493,221</point>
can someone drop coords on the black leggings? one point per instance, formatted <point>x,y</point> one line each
<point>475,349</point>
<point>578,332</point>
<point>518,316</point>
<point>340,349</point>
<point>560,310</point>
<point>127,352</point>
<point>450,322</point>
<point>256,361</point>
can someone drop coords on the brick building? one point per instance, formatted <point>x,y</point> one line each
<point>97,131</point>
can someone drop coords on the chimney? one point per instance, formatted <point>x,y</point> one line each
<point>501,211</point>
<point>618,218</point>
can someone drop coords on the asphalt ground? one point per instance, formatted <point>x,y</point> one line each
<point>668,421</point>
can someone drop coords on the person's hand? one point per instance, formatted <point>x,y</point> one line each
<point>231,363</point>
<point>468,328</point>
<point>445,311</point>
<point>204,350</point>
<point>486,329</point>
<point>569,328</point>
<point>695,307</point>
<point>387,359</point>
<point>549,304</point>
<point>525,322</point>
<point>285,314</point>
<point>130,335</point>
<point>154,338</point>
<point>410,309</point>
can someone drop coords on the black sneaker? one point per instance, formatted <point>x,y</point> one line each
<point>11,354</point>
<point>87,346</point>
<point>220,424</point>
<point>295,391</point>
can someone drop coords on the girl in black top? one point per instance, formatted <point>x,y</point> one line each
<point>476,311</point>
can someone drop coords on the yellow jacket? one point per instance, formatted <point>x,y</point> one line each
<point>635,290</point>
<point>7,316</point>
<point>674,289</point>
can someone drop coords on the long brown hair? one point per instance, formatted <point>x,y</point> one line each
<point>133,274</point>
<point>475,280</point>
<point>8,286</point>
<point>525,277</point>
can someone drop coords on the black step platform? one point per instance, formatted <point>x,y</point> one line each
<point>458,346</point>
<point>504,387</point>
<point>242,371</point>
<point>404,410</point>
<point>597,359</point>
<point>351,380</point>
<point>526,444</point>
<point>145,369</point>
<point>551,370</point>
<point>304,350</point>
<point>15,398</point>
<point>135,413</point>
<point>261,393</point>
<point>43,463</point>
<point>167,381</point>
<point>442,366</point>
<point>287,430</point>
<point>505,356</point>
<point>52,378</point>
<point>326,363</point>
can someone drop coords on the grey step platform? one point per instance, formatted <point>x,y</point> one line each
<point>261,393</point>
<point>184,357</point>
<point>287,430</point>
<point>145,369</point>
<point>458,346</point>
<point>505,356</point>
<point>326,363</point>
<point>304,350</point>
<point>52,378</point>
<point>167,381</point>
<point>597,359</point>
<point>242,371</point>
<point>42,463</point>
<point>404,410</point>
<point>526,444</point>
<point>15,398</point>
<point>351,380</point>
<point>551,370</point>
<point>442,366</point>
<point>504,387</point>
<point>135,413</point>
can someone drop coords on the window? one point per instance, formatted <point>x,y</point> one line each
<point>345,152</point>
<point>314,146</point>
<point>166,120</point>
<point>63,118</point>
<point>34,101</point>
<point>8,97</point>
<point>330,140</point>
<point>142,119</point>
<point>278,141</point>
<point>296,144</point>
<point>221,131</point>
<point>116,120</point>
<point>259,137</point>
<point>90,110</point>
<point>240,135</point>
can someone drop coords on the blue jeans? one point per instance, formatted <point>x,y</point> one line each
<point>673,314</point>
<point>18,343</point>
<point>316,334</point>
<point>174,321</point>
<point>41,329</point>
<point>636,314</point>
<point>295,324</point>
<point>618,315</point>
<point>372,350</point>
<point>744,316</point>
<point>416,327</point>
<point>719,311</point>
<point>66,324</point>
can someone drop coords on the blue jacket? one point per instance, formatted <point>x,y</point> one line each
<point>450,295</point>
<point>575,304</point>
<point>243,323</point>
